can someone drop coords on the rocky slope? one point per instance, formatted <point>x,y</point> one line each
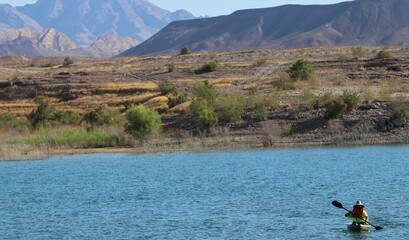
<point>12,18</point>
<point>360,22</point>
<point>85,20</point>
<point>49,42</point>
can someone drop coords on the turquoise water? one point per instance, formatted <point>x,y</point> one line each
<point>276,194</point>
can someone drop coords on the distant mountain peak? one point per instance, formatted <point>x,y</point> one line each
<point>86,20</point>
<point>11,18</point>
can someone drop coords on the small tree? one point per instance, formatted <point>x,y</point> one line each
<point>184,50</point>
<point>40,116</point>
<point>301,70</point>
<point>67,62</point>
<point>103,115</point>
<point>143,121</point>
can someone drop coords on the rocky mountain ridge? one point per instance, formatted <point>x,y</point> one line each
<point>360,22</point>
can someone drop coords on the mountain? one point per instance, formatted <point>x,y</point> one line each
<point>49,42</point>
<point>360,22</point>
<point>85,20</point>
<point>115,43</point>
<point>12,18</point>
<point>26,42</point>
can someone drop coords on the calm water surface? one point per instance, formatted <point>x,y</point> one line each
<point>276,194</point>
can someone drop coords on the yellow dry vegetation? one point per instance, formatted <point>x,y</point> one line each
<point>137,87</point>
<point>158,103</point>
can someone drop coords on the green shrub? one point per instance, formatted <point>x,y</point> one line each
<point>171,67</point>
<point>260,112</point>
<point>301,70</point>
<point>69,137</point>
<point>41,115</point>
<point>336,109</point>
<point>67,62</point>
<point>284,82</point>
<point>231,107</point>
<point>177,98</point>
<point>359,52</point>
<point>351,99</point>
<point>165,88</point>
<point>384,54</point>
<point>10,121</point>
<point>68,117</point>
<point>308,98</point>
<point>210,66</point>
<point>208,120</point>
<point>143,121</point>
<point>326,99</point>
<point>184,50</point>
<point>103,115</point>
<point>400,110</point>
<point>205,90</point>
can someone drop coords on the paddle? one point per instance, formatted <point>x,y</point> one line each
<point>339,205</point>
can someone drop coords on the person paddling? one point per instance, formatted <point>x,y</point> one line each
<point>358,214</point>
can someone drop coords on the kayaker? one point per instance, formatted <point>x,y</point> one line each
<point>358,214</point>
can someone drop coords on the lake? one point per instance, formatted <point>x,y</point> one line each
<point>273,194</point>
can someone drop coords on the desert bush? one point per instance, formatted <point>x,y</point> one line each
<point>359,52</point>
<point>165,88</point>
<point>10,121</point>
<point>143,121</point>
<point>177,98</point>
<point>42,113</point>
<point>327,98</point>
<point>68,117</point>
<point>184,50</point>
<point>260,63</point>
<point>67,62</point>
<point>231,107</point>
<point>301,70</point>
<point>400,110</point>
<point>367,94</point>
<point>210,66</point>
<point>308,98</point>
<point>351,99</point>
<point>260,112</point>
<point>205,90</point>
<point>208,120</point>
<point>384,54</point>
<point>336,109</point>
<point>171,67</point>
<point>103,115</point>
<point>284,82</point>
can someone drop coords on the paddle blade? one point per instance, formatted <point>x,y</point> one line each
<point>378,228</point>
<point>337,204</point>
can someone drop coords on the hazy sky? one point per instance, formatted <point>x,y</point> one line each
<point>210,7</point>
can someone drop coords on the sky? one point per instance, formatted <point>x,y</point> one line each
<point>210,7</point>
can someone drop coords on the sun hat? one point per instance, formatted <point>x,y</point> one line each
<point>359,203</point>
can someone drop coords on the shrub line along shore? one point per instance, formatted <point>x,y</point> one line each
<point>261,99</point>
